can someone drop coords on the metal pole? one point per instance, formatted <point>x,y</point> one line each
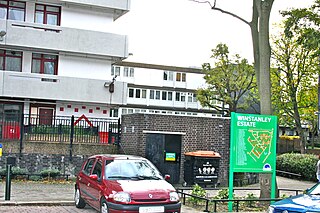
<point>21,133</point>
<point>8,183</point>
<point>71,137</point>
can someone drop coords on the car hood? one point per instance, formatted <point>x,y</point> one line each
<point>299,203</point>
<point>146,189</point>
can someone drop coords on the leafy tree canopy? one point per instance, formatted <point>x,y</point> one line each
<point>229,82</point>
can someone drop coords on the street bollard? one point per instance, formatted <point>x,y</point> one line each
<point>8,183</point>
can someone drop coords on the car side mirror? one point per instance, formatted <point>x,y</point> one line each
<point>93,177</point>
<point>167,177</point>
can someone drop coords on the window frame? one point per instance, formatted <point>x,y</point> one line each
<point>46,12</point>
<point>43,60</point>
<point>5,57</point>
<point>8,6</point>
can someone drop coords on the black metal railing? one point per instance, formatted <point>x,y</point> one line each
<point>212,204</point>
<point>60,129</point>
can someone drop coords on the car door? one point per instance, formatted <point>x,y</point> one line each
<point>96,186</point>
<point>84,179</point>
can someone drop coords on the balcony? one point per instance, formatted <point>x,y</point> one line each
<point>39,37</point>
<point>50,87</point>
<point>119,7</point>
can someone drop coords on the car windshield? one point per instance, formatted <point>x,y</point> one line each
<point>131,169</point>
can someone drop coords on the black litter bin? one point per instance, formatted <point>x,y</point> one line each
<point>202,168</point>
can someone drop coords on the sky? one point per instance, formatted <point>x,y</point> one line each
<point>183,32</point>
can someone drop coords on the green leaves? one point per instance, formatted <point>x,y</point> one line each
<point>229,82</point>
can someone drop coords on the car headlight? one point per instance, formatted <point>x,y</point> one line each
<point>122,197</point>
<point>270,209</point>
<point>174,197</point>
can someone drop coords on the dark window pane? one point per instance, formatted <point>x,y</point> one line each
<point>138,93</point>
<point>131,93</point>
<point>170,96</point>
<point>158,95</point>
<point>177,96</point>
<point>2,63</point>
<point>151,94</point>
<point>164,95</point>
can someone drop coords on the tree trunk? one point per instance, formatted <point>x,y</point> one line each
<point>264,9</point>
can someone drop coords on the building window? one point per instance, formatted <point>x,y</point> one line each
<point>131,72</point>
<point>144,93</point>
<point>168,76</point>
<point>114,113</point>
<point>124,111</point>
<point>180,96</point>
<point>170,96</point>
<point>10,60</point>
<point>192,97</point>
<point>13,10</point>
<point>166,95</point>
<point>138,91</point>
<point>158,95</point>
<point>181,77</point>
<point>115,71</point>
<point>131,92</point>
<point>46,14</point>
<point>177,96</point>
<point>151,94</point>
<point>126,72</point>
<point>44,64</point>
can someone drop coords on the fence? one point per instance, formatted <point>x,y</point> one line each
<point>60,129</point>
<point>211,205</point>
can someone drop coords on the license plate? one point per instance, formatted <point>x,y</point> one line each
<point>149,209</point>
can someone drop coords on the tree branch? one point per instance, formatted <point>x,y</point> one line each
<point>213,7</point>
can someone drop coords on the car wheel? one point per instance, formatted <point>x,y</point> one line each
<point>104,206</point>
<point>78,200</point>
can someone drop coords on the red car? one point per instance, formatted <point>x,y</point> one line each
<point>124,183</point>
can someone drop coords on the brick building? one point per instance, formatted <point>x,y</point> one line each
<point>194,133</point>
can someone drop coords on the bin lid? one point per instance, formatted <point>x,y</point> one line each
<point>210,154</point>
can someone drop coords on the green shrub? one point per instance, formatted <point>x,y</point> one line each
<point>251,203</point>
<point>35,178</point>
<point>199,192</point>
<point>222,194</point>
<point>18,171</point>
<point>50,173</point>
<point>303,164</point>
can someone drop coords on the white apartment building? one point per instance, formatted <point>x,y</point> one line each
<point>160,89</point>
<point>56,57</point>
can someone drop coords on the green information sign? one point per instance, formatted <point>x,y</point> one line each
<point>253,142</point>
<point>252,147</point>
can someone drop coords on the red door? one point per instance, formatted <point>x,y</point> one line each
<point>45,116</point>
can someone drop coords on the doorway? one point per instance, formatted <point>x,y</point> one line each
<point>164,151</point>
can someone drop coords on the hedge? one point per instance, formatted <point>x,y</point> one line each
<point>303,164</point>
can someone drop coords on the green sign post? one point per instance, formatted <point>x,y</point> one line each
<point>252,147</point>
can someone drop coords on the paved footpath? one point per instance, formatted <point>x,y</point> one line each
<point>35,197</point>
